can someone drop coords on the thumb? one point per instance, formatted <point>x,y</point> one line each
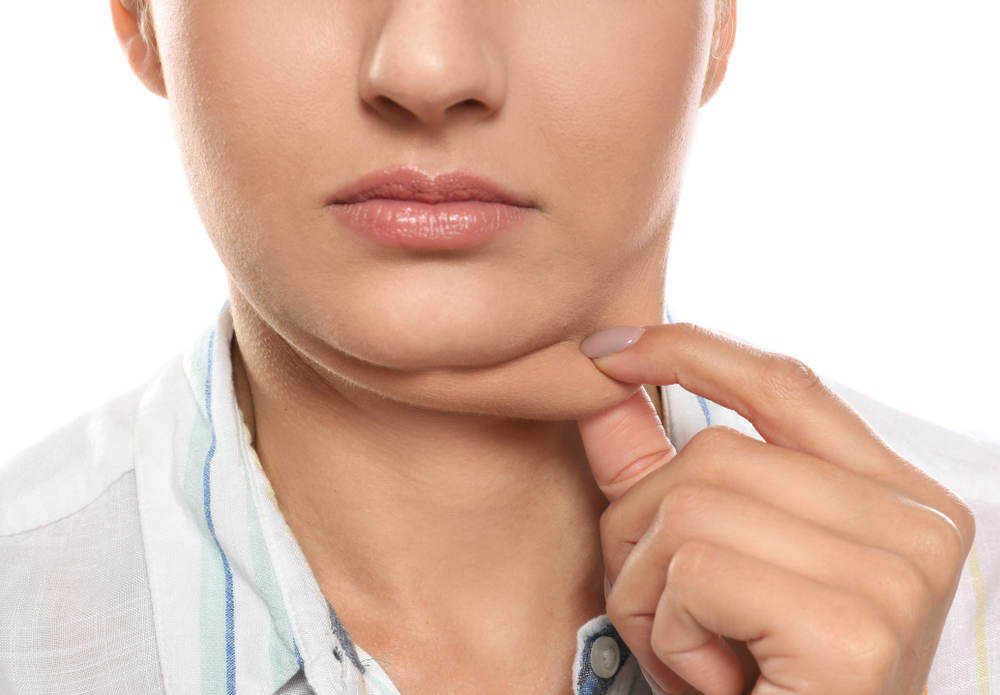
<point>624,444</point>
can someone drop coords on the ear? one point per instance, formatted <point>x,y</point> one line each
<point>139,49</point>
<point>722,48</point>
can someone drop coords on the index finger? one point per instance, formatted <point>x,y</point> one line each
<point>784,400</point>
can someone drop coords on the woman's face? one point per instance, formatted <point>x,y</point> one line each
<point>581,108</point>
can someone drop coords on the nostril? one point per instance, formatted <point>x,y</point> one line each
<point>468,105</point>
<point>473,108</point>
<point>392,110</point>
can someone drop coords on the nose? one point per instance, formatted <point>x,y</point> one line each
<point>432,61</point>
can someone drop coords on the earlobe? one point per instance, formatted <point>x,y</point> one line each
<point>141,55</point>
<point>722,47</point>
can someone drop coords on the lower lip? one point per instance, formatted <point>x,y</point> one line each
<point>417,225</point>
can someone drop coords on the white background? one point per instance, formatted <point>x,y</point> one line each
<point>841,205</point>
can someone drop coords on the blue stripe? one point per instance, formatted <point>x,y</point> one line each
<point>340,632</point>
<point>705,412</point>
<point>230,604</point>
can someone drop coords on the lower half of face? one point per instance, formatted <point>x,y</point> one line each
<point>576,112</point>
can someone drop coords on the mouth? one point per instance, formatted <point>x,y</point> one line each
<point>407,207</point>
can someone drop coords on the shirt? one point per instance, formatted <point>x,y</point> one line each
<point>142,551</point>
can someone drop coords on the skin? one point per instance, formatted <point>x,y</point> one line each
<point>392,392</point>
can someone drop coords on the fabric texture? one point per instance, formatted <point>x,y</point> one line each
<point>142,551</point>
<point>79,621</point>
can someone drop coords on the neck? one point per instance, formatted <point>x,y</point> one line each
<point>409,517</point>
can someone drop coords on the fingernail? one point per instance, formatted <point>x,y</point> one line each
<point>610,340</point>
<point>653,685</point>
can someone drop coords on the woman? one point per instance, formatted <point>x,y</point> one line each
<point>414,452</point>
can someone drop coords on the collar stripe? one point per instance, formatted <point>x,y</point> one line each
<point>207,493</point>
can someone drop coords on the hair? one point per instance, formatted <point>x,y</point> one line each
<point>144,13</point>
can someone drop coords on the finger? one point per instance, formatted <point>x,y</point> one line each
<point>782,398</point>
<point>805,490</point>
<point>693,512</point>
<point>806,637</point>
<point>625,443</point>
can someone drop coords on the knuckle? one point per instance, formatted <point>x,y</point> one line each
<point>792,377</point>
<point>687,336</point>
<point>683,504</point>
<point>865,644</point>
<point>937,544</point>
<point>609,523</point>
<point>617,536</point>
<point>961,515</point>
<point>714,440</point>
<point>875,652</point>
<point>666,643</point>
<point>711,452</point>
<point>908,590</point>
<point>693,560</point>
<point>612,530</point>
<point>948,548</point>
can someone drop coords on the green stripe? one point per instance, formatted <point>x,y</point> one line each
<point>212,622</point>
<point>284,663</point>
<point>212,590</point>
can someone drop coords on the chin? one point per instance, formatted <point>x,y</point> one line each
<point>497,365</point>
<point>457,347</point>
<point>469,330</point>
<point>554,382</point>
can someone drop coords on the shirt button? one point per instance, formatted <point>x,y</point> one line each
<point>605,657</point>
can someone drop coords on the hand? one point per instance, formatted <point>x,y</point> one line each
<point>822,552</point>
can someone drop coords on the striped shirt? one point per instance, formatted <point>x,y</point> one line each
<point>142,551</point>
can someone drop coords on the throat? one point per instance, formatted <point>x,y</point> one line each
<point>457,549</point>
<point>455,573</point>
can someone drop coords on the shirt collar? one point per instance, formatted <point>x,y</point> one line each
<point>236,606</point>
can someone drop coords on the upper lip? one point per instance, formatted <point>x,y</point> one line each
<point>411,183</point>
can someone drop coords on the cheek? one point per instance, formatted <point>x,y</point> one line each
<point>617,115</point>
<point>259,110</point>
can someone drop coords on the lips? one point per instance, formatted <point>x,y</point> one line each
<point>406,207</point>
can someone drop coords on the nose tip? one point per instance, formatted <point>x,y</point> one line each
<point>431,64</point>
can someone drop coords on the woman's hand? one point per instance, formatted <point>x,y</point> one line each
<point>831,558</point>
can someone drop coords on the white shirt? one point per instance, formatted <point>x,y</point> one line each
<point>142,551</point>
